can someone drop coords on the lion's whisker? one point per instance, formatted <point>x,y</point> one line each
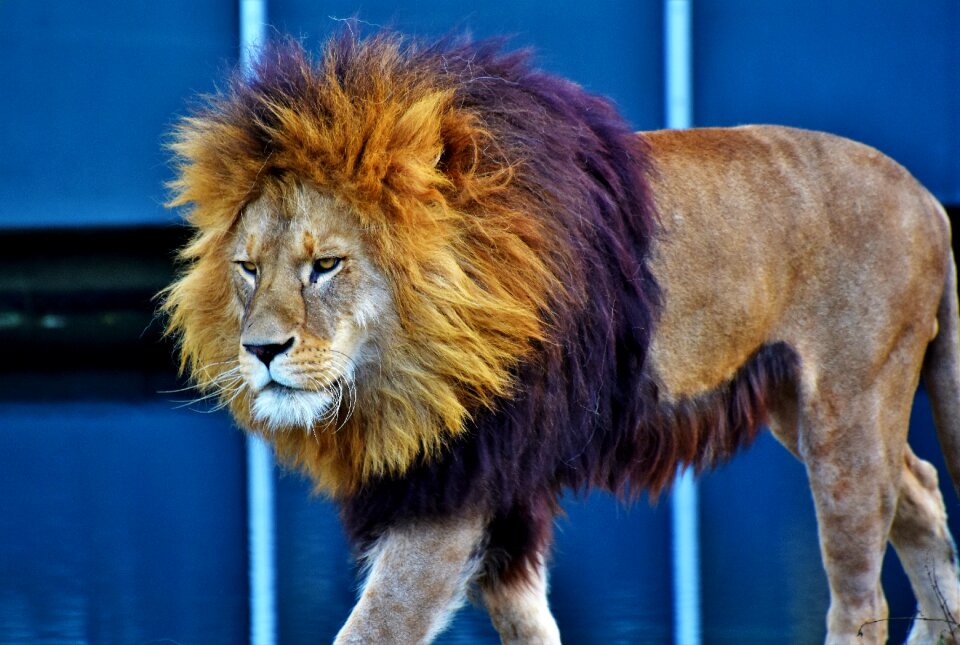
<point>225,387</point>
<point>200,399</point>
<point>233,372</point>
<point>351,405</point>
<point>192,386</point>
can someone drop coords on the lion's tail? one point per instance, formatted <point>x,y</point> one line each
<point>941,375</point>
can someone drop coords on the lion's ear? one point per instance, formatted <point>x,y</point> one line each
<point>418,128</point>
<point>462,137</point>
<point>417,145</point>
<point>440,149</point>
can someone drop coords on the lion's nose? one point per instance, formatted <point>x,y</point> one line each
<point>268,352</point>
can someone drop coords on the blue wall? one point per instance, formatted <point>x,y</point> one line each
<point>613,48</point>
<point>91,89</point>
<point>89,92</point>
<point>120,522</point>
<point>885,72</point>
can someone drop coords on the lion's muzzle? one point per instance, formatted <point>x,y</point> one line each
<point>267,352</point>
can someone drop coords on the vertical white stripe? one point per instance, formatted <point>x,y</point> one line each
<point>260,523</point>
<point>678,56</point>
<point>253,26</point>
<point>686,560</point>
<point>260,495</point>
<point>678,60</point>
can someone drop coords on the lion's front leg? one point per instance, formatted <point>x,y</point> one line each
<point>520,612</point>
<point>418,574</point>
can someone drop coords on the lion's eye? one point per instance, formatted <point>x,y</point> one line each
<point>248,267</point>
<point>326,265</point>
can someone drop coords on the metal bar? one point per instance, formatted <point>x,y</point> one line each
<point>260,526</point>
<point>686,560</point>
<point>678,59</point>
<point>260,492</point>
<point>253,29</point>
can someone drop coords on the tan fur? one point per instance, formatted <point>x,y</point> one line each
<point>418,576</point>
<point>771,234</point>
<point>520,611</point>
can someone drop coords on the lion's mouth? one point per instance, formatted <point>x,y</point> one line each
<point>281,406</point>
<point>282,389</point>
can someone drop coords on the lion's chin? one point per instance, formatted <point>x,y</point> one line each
<point>284,408</point>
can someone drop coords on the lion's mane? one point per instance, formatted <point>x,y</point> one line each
<point>511,213</point>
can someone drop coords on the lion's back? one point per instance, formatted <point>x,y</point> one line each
<point>778,233</point>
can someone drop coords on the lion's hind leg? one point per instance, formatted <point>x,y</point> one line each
<point>855,499</point>
<point>927,552</point>
<point>852,439</point>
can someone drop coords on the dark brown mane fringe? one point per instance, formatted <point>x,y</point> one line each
<point>703,431</point>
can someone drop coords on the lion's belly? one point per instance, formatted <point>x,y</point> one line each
<point>771,234</point>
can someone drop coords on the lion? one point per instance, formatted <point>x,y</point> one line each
<point>449,287</point>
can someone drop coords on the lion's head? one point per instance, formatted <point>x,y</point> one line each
<point>365,273</point>
<point>316,311</point>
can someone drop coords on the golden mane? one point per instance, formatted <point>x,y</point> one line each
<point>380,128</point>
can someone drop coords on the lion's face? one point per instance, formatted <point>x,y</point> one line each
<point>313,307</point>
